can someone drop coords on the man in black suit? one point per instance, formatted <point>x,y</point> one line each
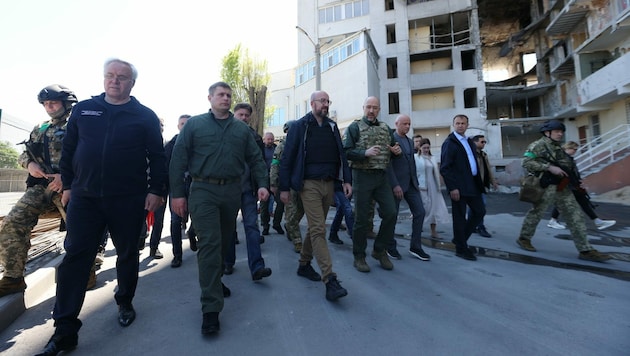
<point>402,176</point>
<point>463,181</point>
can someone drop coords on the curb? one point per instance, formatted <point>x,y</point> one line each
<point>39,284</point>
<point>522,258</point>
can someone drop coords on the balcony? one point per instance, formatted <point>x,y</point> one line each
<point>609,84</point>
<point>571,14</point>
<point>564,68</point>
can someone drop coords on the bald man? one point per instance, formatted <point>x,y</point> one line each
<point>369,145</point>
<point>402,177</point>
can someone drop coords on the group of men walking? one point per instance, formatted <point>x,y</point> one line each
<point>108,166</point>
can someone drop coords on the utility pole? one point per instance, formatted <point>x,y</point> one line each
<point>318,68</point>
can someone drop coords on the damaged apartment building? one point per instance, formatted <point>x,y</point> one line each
<point>507,65</point>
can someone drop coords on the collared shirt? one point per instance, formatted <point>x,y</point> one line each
<point>469,153</point>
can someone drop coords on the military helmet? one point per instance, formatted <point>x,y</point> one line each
<point>552,125</point>
<point>56,92</point>
<point>286,125</point>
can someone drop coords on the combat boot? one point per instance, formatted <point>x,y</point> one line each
<point>383,260</point>
<point>594,255</point>
<point>10,285</point>
<point>361,265</point>
<point>92,280</point>
<point>525,244</point>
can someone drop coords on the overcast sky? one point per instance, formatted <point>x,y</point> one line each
<point>177,49</point>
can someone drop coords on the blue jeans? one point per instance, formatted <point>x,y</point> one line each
<point>249,212</point>
<point>176,233</point>
<point>344,209</point>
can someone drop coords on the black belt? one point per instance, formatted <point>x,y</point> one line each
<point>216,181</point>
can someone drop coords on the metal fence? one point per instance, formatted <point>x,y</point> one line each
<point>13,180</point>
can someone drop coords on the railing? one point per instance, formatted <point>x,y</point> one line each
<point>604,149</point>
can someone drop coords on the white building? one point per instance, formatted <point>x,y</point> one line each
<point>420,58</point>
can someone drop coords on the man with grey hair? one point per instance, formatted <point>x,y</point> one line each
<point>111,141</point>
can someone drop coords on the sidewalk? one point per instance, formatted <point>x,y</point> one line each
<point>555,247</point>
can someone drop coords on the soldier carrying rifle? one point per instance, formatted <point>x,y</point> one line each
<point>41,158</point>
<point>546,156</point>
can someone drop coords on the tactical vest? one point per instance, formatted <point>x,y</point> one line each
<point>51,137</point>
<point>373,135</point>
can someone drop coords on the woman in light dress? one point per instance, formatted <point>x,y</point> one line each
<point>428,174</point>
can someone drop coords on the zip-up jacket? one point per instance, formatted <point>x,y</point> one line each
<point>294,155</point>
<point>108,149</point>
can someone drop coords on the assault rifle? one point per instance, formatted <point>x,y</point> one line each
<point>574,182</point>
<point>54,197</point>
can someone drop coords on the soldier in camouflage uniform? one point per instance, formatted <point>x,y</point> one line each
<point>42,188</point>
<point>294,211</point>
<point>546,155</point>
<point>369,144</point>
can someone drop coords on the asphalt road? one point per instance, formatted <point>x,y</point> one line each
<point>446,306</point>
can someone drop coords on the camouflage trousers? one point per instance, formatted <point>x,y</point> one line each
<point>293,214</point>
<point>568,207</point>
<point>15,233</point>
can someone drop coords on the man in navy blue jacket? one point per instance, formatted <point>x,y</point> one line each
<point>110,142</point>
<point>463,181</point>
<point>313,158</point>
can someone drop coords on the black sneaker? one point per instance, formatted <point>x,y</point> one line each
<point>420,254</point>
<point>210,323</point>
<point>265,231</point>
<point>308,272</point>
<point>334,290</point>
<point>393,253</point>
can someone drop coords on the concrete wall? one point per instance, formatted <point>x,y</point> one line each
<point>612,177</point>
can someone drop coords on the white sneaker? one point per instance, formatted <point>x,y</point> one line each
<point>554,224</point>
<point>604,224</point>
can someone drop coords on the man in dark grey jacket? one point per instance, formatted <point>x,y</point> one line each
<point>403,179</point>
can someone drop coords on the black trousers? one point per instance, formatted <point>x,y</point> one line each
<point>584,202</point>
<point>462,227</point>
<point>87,219</point>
